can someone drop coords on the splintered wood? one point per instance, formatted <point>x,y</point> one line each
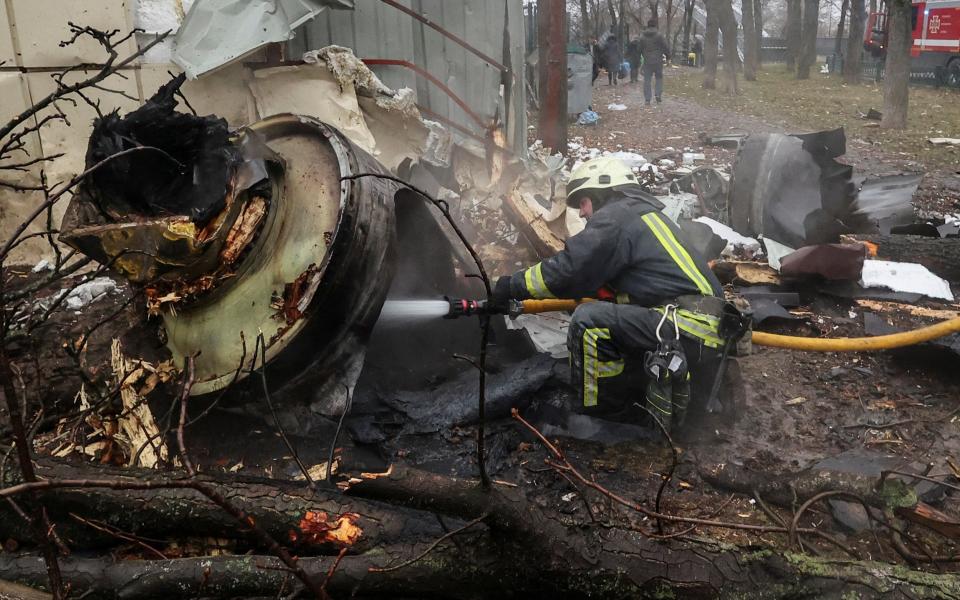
<point>137,426</point>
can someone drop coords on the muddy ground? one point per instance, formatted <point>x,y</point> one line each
<point>860,412</point>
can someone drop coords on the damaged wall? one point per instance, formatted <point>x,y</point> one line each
<point>377,31</point>
<point>242,94</point>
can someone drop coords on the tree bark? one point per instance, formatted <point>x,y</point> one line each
<point>731,57</point>
<point>520,536</point>
<point>758,28</point>
<point>897,67</point>
<point>475,570</point>
<point>280,508</point>
<point>808,44</point>
<point>688,6</point>
<point>838,45</point>
<point>794,30</point>
<point>852,62</point>
<point>585,21</point>
<point>711,42</point>
<point>751,45</point>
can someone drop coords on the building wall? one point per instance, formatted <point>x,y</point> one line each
<point>377,30</point>
<point>30,32</point>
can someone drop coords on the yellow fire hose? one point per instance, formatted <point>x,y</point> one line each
<point>760,338</point>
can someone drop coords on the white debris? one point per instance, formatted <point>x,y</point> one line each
<point>631,159</point>
<point>680,204</point>
<point>43,265</point>
<point>775,252</point>
<point>547,332</point>
<point>690,157</point>
<point>904,277</point>
<point>666,163</point>
<point>88,292</point>
<point>945,141</point>
<point>650,168</point>
<point>616,106</point>
<point>733,238</point>
<point>568,496</point>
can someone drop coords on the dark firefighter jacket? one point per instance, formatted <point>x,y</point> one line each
<point>629,246</point>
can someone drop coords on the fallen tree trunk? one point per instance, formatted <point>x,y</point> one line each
<point>311,521</point>
<point>940,255</point>
<point>524,546</point>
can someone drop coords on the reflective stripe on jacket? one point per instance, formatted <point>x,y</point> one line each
<point>628,245</point>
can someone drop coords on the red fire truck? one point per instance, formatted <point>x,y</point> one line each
<point>936,36</point>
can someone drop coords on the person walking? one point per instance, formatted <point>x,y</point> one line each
<point>653,48</point>
<point>634,57</point>
<point>611,58</point>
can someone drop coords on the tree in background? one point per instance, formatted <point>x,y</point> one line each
<point>710,42</point>
<point>851,65</point>
<point>808,45</point>
<point>586,31</point>
<point>751,44</point>
<point>758,28</point>
<point>731,58</point>
<point>792,34</point>
<point>688,7</point>
<point>838,45</point>
<point>897,67</point>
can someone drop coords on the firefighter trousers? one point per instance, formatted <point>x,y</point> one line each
<point>607,344</point>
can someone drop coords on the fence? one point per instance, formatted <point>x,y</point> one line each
<point>874,70</point>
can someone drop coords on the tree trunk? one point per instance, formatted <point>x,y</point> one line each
<point>838,45</point>
<point>174,514</point>
<point>669,29</point>
<point>808,44</point>
<point>794,27</point>
<point>585,21</point>
<point>758,29</point>
<point>521,545</point>
<point>711,41</point>
<point>851,62</point>
<point>897,67</point>
<point>751,45</point>
<point>613,15</point>
<point>731,58</point>
<point>688,6</point>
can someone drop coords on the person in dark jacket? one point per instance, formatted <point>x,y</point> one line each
<point>653,47</point>
<point>632,253</point>
<point>611,58</point>
<point>635,58</point>
<point>697,51</point>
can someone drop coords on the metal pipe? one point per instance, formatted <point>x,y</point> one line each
<point>453,37</point>
<point>552,43</point>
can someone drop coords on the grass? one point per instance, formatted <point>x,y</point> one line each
<point>825,102</point>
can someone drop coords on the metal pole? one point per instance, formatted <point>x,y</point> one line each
<point>552,47</point>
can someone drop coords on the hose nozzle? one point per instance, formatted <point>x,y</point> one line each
<point>464,307</point>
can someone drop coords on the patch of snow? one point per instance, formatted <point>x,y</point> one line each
<point>904,277</point>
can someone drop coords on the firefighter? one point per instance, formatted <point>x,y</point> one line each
<point>665,303</point>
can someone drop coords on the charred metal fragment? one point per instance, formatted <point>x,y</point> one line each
<point>190,177</point>
<point>791,188</point>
